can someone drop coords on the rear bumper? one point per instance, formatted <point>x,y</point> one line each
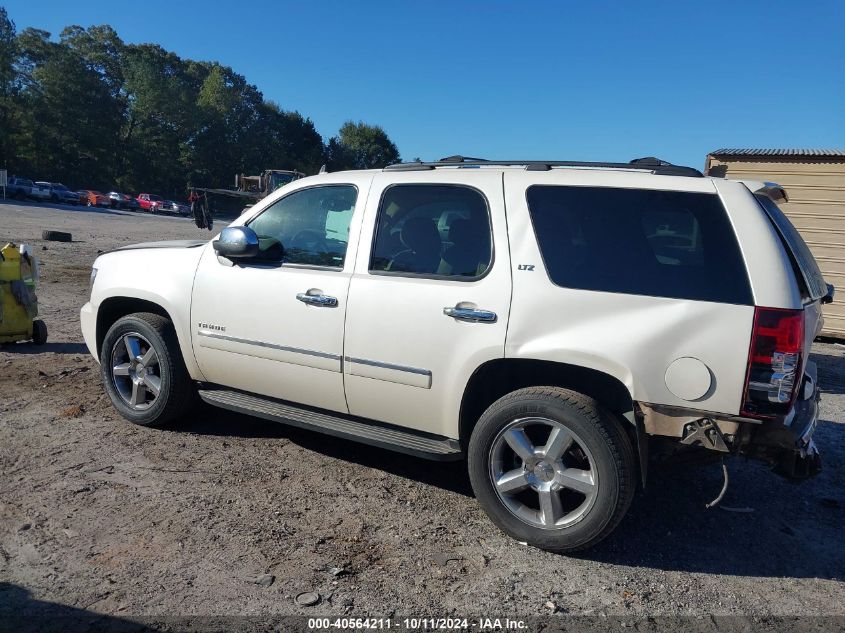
<point>788,443</point>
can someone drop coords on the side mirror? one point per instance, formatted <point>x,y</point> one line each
<point>236,242</point>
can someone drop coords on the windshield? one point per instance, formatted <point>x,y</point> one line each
<point>59,186</point>
<point>800,253</point>
<point>280,180</point>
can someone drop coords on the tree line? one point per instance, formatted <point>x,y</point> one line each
<point>92,111</point>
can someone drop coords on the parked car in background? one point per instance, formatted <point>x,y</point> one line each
<point>40,190</point>
<point>60,193</point>
<point>149,201</point>
<point>130,203</point>
<point>19,188</point>
<point>95,198</point>
<point>174,207</point>
<point>119,200</point>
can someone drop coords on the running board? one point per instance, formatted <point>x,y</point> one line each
<point>347,427</point>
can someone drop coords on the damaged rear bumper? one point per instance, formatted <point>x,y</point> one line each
<point>788,443</point>
<point>785,443</point>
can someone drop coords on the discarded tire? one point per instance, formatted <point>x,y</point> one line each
<point>56,236</point>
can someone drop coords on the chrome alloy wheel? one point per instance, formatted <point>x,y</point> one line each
<point>135,371</point>
<point>543,473</point>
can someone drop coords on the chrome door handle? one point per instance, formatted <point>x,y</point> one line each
<point>470,314</point>
<point>324,301</point>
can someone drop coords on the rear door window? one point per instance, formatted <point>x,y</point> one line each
<point>440,231</point>
<point>639,241</point>
<point>811,277</point>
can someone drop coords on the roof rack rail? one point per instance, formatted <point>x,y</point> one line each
<point>649,163</point>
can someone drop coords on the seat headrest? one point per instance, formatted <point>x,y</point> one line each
<point>460,231</point>
<point>420,235</point>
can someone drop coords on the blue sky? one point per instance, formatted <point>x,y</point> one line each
<point>553,80</point>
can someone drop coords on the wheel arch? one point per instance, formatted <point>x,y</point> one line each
<point>498,377</point>
<point>114,308</point>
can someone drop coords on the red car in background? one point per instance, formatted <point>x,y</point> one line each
<point>149,202</point>
<point>94,198</point>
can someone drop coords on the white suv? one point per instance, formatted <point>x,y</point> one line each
<point>554,323</point>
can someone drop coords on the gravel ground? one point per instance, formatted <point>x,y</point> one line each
<point>225,514</point>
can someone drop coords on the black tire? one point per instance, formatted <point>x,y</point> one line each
<point>177,392</point>
<point>39,332</point>
<point>56,236</point>
<point>600,433</point>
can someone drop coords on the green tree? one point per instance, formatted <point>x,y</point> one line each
<point>360,146</point>
<point>96,112</point>
<point>70,124</point>
<point>159,119</point>
<point>285,140</point>
<point>8,56</point>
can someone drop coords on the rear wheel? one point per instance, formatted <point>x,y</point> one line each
<point>550,467</point>
<point>143,370</point>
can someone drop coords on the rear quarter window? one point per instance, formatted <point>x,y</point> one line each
<point>638,241</point>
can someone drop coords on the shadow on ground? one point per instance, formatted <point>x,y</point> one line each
<point>830,375</point>
<point>19,611</point>
<point>62,207</point>
<point>788,530</point>
<point>54,348</point>
<point>450,476</point>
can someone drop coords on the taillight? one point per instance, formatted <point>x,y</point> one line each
<point>774,362</point>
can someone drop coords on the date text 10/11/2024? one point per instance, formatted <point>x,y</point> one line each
<point>444,624</point>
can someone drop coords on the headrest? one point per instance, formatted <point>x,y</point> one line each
<point>420,235</point>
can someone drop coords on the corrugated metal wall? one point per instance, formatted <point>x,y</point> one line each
<point>816,190</point>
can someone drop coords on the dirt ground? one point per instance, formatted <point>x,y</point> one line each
<point>225,514</point>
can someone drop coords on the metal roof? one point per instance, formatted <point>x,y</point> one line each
<point>826,153</point>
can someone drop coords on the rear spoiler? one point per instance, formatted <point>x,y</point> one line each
<point>772,190</point>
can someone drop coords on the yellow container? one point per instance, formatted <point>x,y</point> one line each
<point>18,303</point>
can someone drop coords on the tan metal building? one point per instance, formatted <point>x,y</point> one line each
<point>814,180</point>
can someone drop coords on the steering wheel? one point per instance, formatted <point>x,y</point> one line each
<point>310,240</point>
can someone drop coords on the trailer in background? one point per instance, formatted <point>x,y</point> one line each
<point>248,190</point>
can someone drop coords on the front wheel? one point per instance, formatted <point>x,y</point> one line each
<point>143,370</point>
<point>551,468</point>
